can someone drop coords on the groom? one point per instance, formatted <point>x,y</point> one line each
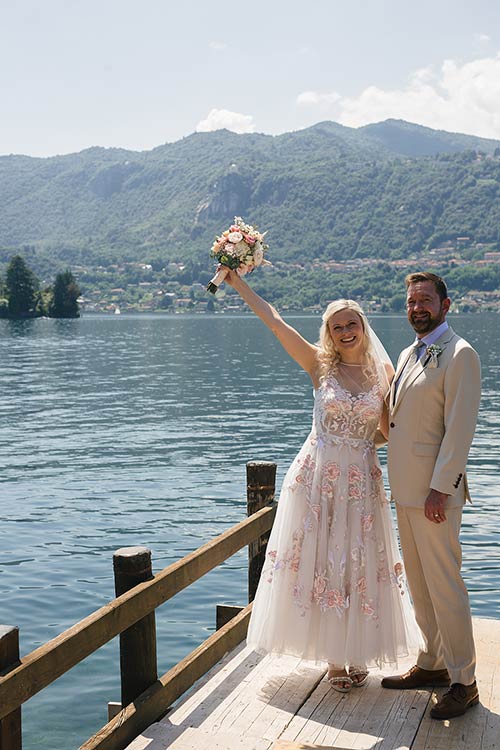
<point>434,401</point>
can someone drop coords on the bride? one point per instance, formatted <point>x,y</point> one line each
<point>332,587</point>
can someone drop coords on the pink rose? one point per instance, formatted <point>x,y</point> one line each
<point>335,598</point>
<point>367,609</point>
<point>367,522</point>
<point>319,584</point>
<point>361,585</point>
<point>355,473</point>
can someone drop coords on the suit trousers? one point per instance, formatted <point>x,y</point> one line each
<point>433,557</point>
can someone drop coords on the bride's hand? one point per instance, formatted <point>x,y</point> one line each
<point>231,276</point>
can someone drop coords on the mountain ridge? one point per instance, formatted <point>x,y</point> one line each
<point>329,191</point>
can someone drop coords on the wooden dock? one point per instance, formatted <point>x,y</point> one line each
<point>250,702</point>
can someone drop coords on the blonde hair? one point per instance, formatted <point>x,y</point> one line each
<point>328,356</point>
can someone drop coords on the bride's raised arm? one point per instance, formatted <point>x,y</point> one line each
<point>304,353</point>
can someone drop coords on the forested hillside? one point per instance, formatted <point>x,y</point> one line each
<point>324,192</point>
<point>136,227</point>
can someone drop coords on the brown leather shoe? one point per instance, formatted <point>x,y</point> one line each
<point>416,677</point>
<point>456,701</point>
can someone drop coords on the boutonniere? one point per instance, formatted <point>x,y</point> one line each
<point>432,353</point>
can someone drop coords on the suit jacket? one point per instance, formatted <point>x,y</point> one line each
<point>432,418</point>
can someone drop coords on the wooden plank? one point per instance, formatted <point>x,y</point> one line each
<point>401,723</point>
<point>218,718</point>
<point>50,661</point>
<point>237,700</point>
<point>207,697</point>
<point>281,709</point>
<point>363,718</point>
<point>286,745</point>
<point>159,697</point>
<point>216,686</point>
<point>343,726</point>
<point>313,714</point>
<point>479,727</point>
<point>246,708</point>
<point>257,693</point>
<point>196,739</point>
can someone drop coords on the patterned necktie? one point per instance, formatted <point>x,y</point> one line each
<point>415,354</point>
<point>412,360</point>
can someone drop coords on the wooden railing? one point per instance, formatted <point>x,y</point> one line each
<point>131,615</point>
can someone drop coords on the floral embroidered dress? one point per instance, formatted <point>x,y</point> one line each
<point>332,587</point>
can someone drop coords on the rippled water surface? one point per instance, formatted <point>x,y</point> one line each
<point>117,431</point>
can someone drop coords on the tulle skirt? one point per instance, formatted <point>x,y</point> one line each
<point>332,588</point>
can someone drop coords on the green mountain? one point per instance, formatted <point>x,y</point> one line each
<point>381,191</point>
<point>406,139</point>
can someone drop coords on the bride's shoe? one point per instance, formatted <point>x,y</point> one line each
<point>341,682</point>
<point>358,675</point>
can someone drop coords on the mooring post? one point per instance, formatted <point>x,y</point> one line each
<point>10,726</point>
<point>138,667</point>
<point>261,483</point>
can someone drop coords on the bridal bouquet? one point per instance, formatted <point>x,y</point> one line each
<point>240,248</point>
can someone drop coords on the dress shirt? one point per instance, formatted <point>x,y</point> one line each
<point>420,347</point>
<point>431,338</point>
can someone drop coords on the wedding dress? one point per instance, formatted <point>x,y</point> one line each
<point>332,587</point>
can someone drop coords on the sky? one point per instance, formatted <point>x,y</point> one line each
<point>137,74</point>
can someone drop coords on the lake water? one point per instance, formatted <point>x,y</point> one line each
<point>126,430</point>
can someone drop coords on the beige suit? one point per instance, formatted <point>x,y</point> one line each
<point>432,419</point>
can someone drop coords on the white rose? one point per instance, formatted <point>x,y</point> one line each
<point>235,237</point>
<point>258,254</point>
<point>241,249</point>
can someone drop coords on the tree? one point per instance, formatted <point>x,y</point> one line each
<point>65,296</point>
<point>21,289</point>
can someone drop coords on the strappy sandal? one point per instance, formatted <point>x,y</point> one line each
<point>338,683</point>
<point>360,673</point>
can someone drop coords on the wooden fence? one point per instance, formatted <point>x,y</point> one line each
<point>145,697</point>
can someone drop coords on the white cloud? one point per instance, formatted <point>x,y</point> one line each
<point>218,46</point>
<point>312,98</point>
<point>483,38</point>
<point>224,118</point>
<point>459,98</point>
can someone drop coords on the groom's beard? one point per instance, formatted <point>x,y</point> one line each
<point>426,322</point>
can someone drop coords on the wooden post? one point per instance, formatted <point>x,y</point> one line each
<point>224,613</point>
<point>261,482</point>
<point>132,565</point>
<point>10,726</point>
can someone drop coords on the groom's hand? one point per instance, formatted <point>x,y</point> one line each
<point>434,507</point>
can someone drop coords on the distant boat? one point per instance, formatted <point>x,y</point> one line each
<point>117,310</point>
